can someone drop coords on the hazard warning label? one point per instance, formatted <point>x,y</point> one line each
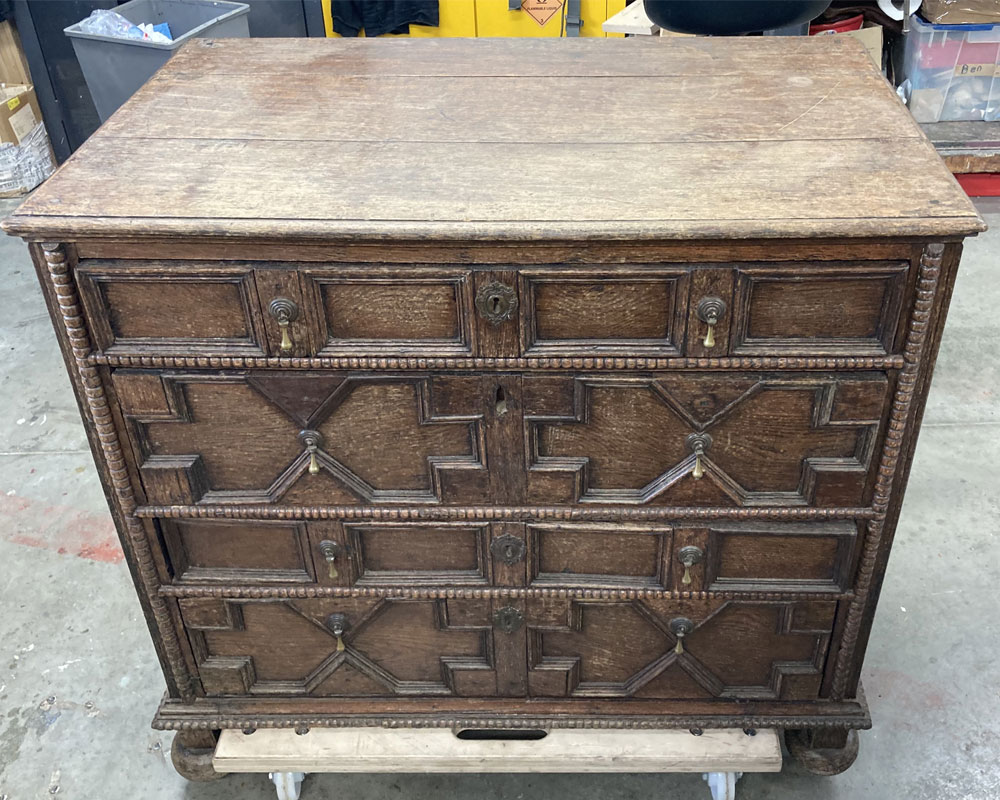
<point>541,11</point>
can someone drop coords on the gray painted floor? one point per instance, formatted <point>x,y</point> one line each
<point>79,682</point>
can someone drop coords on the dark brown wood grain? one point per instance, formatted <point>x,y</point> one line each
<point>474,461</point>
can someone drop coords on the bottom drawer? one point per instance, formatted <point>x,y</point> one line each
<point>539,647</point>
<point>678,649</point>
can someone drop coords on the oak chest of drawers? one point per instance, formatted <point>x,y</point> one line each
<point>505,383</point>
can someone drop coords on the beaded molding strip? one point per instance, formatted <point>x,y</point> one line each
<point>539,363</point>
<point>237,591</point>
<point>488,513</point>
<point>927,287</point>
<point>134,536</point>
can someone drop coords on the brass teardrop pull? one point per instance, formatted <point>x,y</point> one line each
<point>330,550</point>
<point>689,556</point>
<point>710,311</point>
<point>284,312</point>
<point>698,443</point>
<point>337,623</point>
<point>312,440</point>
<point>286,339</point>
<point>680,627</point>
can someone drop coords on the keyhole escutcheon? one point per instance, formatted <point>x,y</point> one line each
<point>497,302</point>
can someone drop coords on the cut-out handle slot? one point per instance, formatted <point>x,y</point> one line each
<point>501,402</point>
<point>487,734</point>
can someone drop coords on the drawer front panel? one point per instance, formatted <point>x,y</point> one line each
<point>238,551</point>
<point>406,553</point>
<point>628,311</point>
<point>766,556</point>
<point>147,308</point>
<point>849,310</point>
<point>342,310</point>
<point>781,556</point>
<point>330,552</point>
<point>723,557</point>
<point>384,311</point>
<point>305,438</point>
<point>735,439</point>
<point>621,556</point>
<point>732,649</point>
<point>343,647</point>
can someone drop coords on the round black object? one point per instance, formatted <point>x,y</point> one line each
<point>730,17</point>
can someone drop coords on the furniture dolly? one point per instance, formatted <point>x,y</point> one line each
<point>720,755</point>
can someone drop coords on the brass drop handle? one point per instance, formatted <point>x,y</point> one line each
<point>337,623</point>
<point>698,443</point>
<point>689,556</point>
<point>710,310</point>
<point>680,627</point>
<point>285,312</point>
<point>312,440</point>
<point>330,551</point>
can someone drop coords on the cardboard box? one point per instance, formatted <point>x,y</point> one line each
<point>25,154</point>
<point>961,12</point>
<point>19,113</point>
<point>871,37</point>
<point>13,64</point>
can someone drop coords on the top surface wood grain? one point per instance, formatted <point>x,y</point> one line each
<point>686,138</point>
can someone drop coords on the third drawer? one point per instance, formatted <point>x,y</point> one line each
<point>714,556</point>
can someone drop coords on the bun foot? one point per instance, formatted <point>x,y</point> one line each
<point>823,752</point>
<point>192,757</point>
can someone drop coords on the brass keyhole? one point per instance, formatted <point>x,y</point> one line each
<point>496,302</point>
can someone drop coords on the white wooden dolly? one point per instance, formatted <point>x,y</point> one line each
<point>722,756</point>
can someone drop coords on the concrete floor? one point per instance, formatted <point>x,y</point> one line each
<point>79,681</point>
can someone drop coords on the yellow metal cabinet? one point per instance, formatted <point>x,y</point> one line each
<point>471,18</point>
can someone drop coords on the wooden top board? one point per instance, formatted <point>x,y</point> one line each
<point>688,138</point>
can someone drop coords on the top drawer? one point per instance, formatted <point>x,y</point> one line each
<point>556,311</point>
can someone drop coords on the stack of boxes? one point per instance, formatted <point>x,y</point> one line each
<point>25,154</point>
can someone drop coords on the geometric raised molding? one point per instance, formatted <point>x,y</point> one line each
<point>288,648</point>
<point>235,438</point>
<point>780,440</point>
<point>736,650</point>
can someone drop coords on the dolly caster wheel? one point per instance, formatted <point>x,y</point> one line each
<point>288,785</point>
<point>722,784</point>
